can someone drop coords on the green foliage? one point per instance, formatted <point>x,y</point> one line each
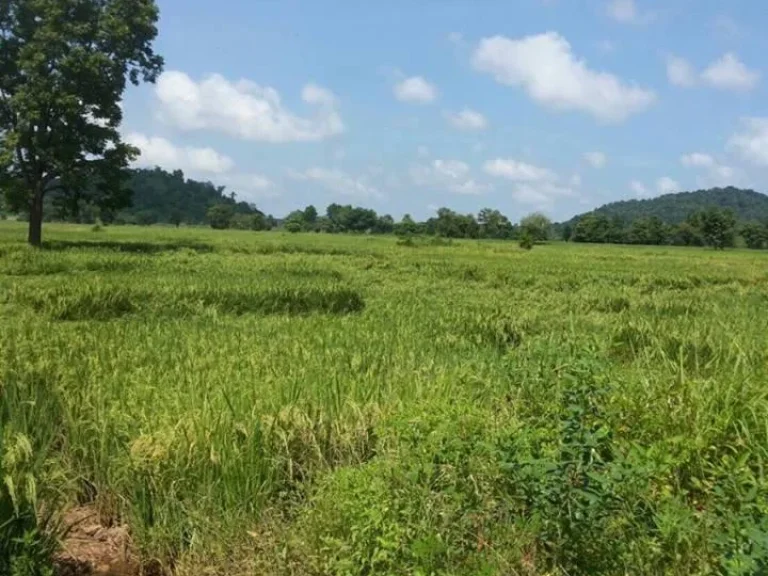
<point>322,404</point>
<point>676,208</point>
<point>220,216</point>
<point>526,241</point>
<point>63,72</point>
<point>29,412</point>
<point>537,226</point>
<point>718,227</point>
<point>755,235</point>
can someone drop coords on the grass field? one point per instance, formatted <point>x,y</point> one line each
<point>259,403</point>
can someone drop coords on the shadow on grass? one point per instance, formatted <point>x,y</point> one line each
<point>134,247</point>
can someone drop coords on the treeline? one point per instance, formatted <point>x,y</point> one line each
<point>488,223</point>
<point>156,197</point>
<point>713,227</point>
<point>746,205</point>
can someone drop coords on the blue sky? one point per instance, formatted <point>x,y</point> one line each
<point>408,105</point>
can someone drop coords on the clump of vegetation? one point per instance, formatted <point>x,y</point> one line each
<point>526,241</point>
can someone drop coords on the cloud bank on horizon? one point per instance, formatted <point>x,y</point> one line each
<point>533,105</point>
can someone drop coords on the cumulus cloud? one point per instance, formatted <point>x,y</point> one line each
<point>467,119</point>
<point>725,73</point>
<point>595,159</point>
<point>338,182</point>
<point>713,172</point>
<point>751,143</point>
<point>451,175</point>
<point>157,151</point>
<point>680,72</point>
<point>666,185</point>
<point>546,68</point>
<point>730,73</point>
<point>518,171</point>
<point>244,109</point>
<point>638,188</point>
<point>415,89</point>
<point>199,162</point>
<point>532,185</point>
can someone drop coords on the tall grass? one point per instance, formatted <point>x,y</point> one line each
<point>259,403</point>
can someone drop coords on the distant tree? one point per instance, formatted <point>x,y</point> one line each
<point>385,225</point>
<point>566,232</point>
<point>220,216</point>
<point>755,235</point>
<point>649,231</point>
<point>406,227</point>
<point>718,227</point>
<point>258,222</point>
<point>537,226</point>
<point>310,216</point>
<point>493,224</point>
<point>294,222</point>
<point>241,222</point>
<point>64,66</point>
<point>686,234</point>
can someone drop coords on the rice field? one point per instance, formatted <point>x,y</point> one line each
<point>260,403</point>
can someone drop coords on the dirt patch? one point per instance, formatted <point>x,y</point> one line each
<point>90,548</point>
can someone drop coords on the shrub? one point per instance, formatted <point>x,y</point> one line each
<point>526,241</point>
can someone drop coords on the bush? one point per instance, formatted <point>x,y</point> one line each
<point>526,241</point>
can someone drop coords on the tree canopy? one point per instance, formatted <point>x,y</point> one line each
<point>676,208</point>
<point>64,65</point>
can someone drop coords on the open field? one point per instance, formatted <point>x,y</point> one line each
<point>310,404</point>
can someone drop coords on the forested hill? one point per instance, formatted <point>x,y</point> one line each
<point>160,196</point>
<point>676,208</point>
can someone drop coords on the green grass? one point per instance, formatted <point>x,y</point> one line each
<point>308,404</point>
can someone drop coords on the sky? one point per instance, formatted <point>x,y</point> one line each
<point>405,106</point>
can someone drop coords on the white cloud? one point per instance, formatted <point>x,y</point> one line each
<point>751,144</point>
<point>576,180</point>
<point>541,195</point>
<point>726,73</point>
<point>713,173</point>
<point>454,169</point>
<point>623,10</point>
<point>595,159</point>
<point>533,185</point>
<point>452,175</point>
<point>697,159</point>
<point>665,185</point>
<point>467,119</point>
<point>244,109</point>
<point>248,186</point>
<point>157,151</point>
<point>518,171</point>
<point>680,72</point>
<point>638,188</point>
<point>198,163</point>
<point>338,182</point>
<point>547,69</point>
<point>729,73</point>
<point>415,89</point>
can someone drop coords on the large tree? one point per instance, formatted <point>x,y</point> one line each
<point>64,65</point>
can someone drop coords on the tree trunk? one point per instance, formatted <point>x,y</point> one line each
<point>35,237</point>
